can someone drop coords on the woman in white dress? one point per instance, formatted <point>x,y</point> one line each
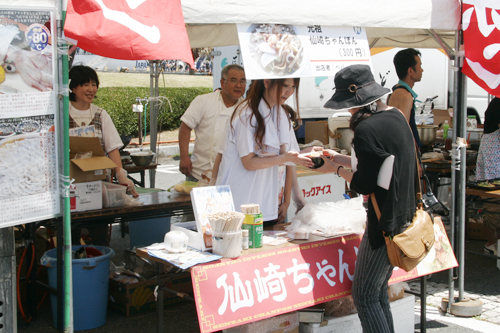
<point>256,145</point>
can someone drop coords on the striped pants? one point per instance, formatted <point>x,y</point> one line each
<point>369,289</point>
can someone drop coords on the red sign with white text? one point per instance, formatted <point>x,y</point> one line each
<point>233,292</point>
<point>130,30</point>
<point>481,43</point>
<point>253,287</point>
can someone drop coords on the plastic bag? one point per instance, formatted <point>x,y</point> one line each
<point>81,156</point>
<point>331,218</point>
<point>185,187</point>
<point>131,201</point>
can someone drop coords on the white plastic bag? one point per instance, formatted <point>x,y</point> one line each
<point>331,218</point>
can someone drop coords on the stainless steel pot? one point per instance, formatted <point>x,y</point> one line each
<point>427,134</point>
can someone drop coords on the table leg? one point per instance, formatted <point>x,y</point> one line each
<point>159,300</point>
<point>143,174</point>
<point>423,305</point>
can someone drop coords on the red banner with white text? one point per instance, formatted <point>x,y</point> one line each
<point>129,29</point>
<point>233,292</point>
<point>481,26</point>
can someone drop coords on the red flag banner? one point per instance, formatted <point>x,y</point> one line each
<point>129,29</point>
<point>481,26</point>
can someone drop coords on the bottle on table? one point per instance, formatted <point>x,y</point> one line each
<point>446,126</point>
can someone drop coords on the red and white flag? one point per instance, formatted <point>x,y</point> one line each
<point>129,29</point>
<point>481,25</point>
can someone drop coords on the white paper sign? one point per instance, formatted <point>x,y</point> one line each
<point>281,51</point>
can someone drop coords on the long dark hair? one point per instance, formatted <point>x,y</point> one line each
<point>362,114</point>
<point>254,95</point>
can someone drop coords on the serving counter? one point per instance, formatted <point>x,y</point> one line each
<point>271,280</point>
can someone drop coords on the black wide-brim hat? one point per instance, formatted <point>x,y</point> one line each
<point>355,87</point>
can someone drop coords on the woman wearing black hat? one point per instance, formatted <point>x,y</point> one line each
<point>380,133</point>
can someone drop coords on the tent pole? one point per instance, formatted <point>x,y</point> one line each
<point>458,176</point>
<point>153,113</point>
<point>440,41</point>
<point>67,255</point>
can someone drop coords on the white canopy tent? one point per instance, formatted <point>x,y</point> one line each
<point>396,23</point>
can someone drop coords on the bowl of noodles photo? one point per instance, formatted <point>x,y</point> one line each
<point>276,49</point>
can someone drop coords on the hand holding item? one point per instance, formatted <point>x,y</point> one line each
<point>185,166</point>
<point>329,166</point>
<point>311,149</point>
<point>121,175</point>
<point>296,158</point>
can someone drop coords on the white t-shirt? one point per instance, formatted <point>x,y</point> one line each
<point>110,136</point>
<point>254,186</point>
<point>207,115</point>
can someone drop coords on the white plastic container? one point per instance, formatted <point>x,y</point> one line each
<point>113,195</point>
<point>227,244</point>
<point>175,241</point>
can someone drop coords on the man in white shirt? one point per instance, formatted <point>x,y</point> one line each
<point>204,115</point>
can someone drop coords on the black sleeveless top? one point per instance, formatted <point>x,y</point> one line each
<point>413,124</point>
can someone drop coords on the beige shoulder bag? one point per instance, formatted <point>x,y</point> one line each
<point>407,249</point>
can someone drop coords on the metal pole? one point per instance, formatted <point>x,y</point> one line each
<point>153,114</point>
<point>67,261</point>
<point>451,275</point>
<point>462,186</point>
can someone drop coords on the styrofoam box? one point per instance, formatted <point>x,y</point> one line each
<point>402,314</point>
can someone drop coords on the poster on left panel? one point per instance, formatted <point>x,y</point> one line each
<point>28,116</point>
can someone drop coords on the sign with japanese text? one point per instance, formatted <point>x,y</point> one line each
<point>233,292</point>
<point>258,286</point>
<point>281,51</point>
<point>481,43</point>
<point>28,126</point>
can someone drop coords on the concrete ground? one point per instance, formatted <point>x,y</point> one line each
<point>482,281</point>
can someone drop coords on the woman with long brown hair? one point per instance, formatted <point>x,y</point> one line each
<point>256,145</point>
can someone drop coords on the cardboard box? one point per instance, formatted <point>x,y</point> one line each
<point>88,169</point>
<point>85,196</point>
<point>317,130</point>
<point>441,115</point>
<point>476,229</point>
<point>136,298</point>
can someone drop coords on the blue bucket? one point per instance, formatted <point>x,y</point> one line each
<point>90,287</point>
<point>146,232</point>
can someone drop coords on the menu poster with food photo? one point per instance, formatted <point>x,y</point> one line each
<point>28,140</point>
<point>281,51</point>
<point>207,200</point>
